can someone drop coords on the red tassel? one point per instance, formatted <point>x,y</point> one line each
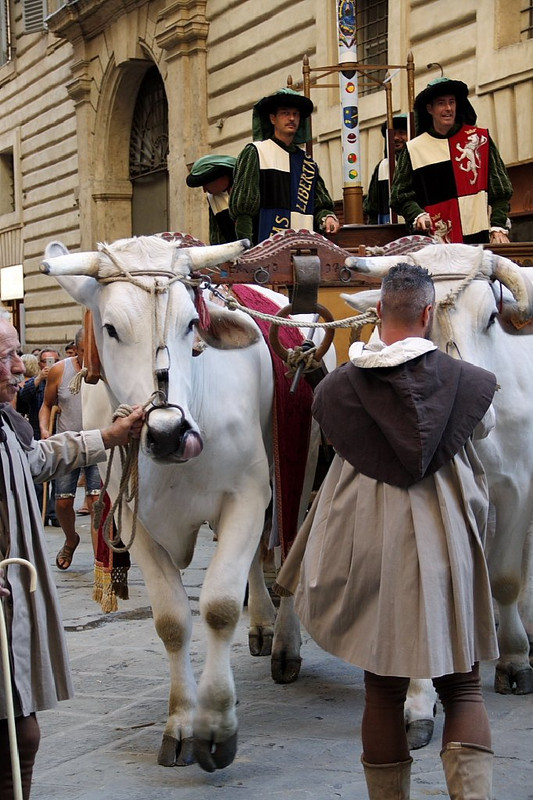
<point>203,313</point>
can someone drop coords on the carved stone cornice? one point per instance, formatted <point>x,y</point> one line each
<point>182,28</point>
<point>87,18</point>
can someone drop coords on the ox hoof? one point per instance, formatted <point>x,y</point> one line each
<point>419,733</point>
<point>260,643</point>
<point>212,756</point>
<point>285,670</point>
<point>173,753</point>
<point>519,682</point>
<point>523,681</point>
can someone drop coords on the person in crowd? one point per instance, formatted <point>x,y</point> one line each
<point>214,173</point>
<point>393,576</point>
<point>277,186</point>
<point>376,205</point>
<point>450,181</point>
<point>29,401</point>
<point>40,673</point>
<point>31,369</point>
<point>57,393</point>
<point>31,365</point>
<point>70,349</point>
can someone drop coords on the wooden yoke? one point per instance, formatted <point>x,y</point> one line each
<point>91,357</point>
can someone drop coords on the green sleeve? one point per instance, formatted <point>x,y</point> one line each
<point>245,198</point>
<point>371,201</point>
<point>500,188</point>
<point>403,196</point>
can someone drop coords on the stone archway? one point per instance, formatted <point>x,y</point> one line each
<point>111,188</point>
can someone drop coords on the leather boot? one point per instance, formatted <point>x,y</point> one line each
<point>388,781</point>
<point>468,771</point>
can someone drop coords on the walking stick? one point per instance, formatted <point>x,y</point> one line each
<point>15,763</point>
<point>51,424</point>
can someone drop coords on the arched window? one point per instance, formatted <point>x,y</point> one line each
<point>148,157</point>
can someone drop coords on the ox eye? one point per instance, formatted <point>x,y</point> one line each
<point>112,331</point>
<point>492,319</point>
<point>191,325</point>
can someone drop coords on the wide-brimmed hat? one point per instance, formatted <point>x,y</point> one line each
<point>399,122</point>
<point>209,168</point>
<point>465,114</point>
<point>263,129</point>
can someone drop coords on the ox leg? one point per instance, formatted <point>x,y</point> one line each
<point>221,600</point>
<point>419,712</point>
<point>286,660</point>
<point>513,670</point>
<point>525,604</point>
<point>261,610</point>
<point>172,619</point>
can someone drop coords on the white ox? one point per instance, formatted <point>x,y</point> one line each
<point>472,322</point>
<point>203,458</point>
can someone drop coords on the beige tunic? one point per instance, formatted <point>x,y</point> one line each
<point>394,580</point>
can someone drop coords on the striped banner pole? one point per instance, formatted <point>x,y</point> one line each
<point>351,156</point>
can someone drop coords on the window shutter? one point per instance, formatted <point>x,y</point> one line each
<point>34,13</point>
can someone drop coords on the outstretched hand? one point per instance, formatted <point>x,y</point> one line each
<point>124,428</point>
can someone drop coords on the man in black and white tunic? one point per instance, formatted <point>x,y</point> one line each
<point>277,186</point>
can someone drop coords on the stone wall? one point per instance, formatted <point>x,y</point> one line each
<point>68,95</point>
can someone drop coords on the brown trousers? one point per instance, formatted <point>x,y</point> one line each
<point>28,737</point>
<point>383,729</point>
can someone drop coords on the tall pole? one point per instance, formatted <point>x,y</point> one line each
<point>351,155</point>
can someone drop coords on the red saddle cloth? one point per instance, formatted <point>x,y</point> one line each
<point>291,420</point>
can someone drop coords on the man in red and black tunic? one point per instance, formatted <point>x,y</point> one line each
<point>450,180</point>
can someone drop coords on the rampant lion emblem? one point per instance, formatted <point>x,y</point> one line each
<point>442,230</point>
<point>470,156</point>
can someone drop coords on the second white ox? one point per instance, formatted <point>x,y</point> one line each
<point>472,322</point>
<point>203,458</point>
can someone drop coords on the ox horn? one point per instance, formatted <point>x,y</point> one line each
<point>518,283</point>
<point>212,255</point>
<point>58,261</point>
<point>376,266</point>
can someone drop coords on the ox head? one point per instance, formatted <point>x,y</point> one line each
<point>466,296</point>
<point>146,312</point>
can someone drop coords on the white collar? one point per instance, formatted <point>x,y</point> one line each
<point>379,354</point>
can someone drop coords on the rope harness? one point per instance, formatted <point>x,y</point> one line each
<point>129,456</point>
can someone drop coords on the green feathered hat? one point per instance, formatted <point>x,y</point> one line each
<point>465,114</point>
<point>209,168</point>
<point>263,129</point>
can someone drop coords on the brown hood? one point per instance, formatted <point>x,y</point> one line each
<point>399,424</point>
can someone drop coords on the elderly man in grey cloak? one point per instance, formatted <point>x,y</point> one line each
<point>40,674</point>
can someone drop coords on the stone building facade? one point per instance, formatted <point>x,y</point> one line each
<point>105,104</point>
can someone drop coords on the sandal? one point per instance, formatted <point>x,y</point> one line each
<point>65,555</point>
<point>83,511</point>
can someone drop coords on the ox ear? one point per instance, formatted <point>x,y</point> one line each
<point>84,290</point>
<point>362,301</point>
<point>228,330</point>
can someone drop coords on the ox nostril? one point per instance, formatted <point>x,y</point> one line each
<point>169,436</point>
